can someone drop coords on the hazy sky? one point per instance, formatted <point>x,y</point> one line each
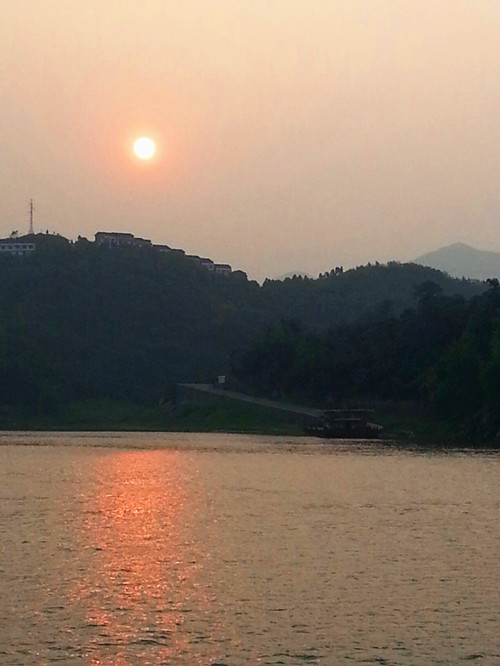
<point>292,134</point>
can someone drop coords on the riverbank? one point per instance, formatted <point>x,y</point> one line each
<point>107,415</point>
<point>403,424</point>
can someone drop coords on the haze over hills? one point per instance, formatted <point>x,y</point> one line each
<point>461,260</point>
<point>89,323</point>
<point>86,321</point>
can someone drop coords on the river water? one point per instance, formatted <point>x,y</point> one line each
<point>227,549</point>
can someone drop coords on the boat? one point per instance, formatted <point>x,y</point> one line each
<point>343,424</point>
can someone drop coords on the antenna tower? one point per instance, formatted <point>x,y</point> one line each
<point>31,231</point>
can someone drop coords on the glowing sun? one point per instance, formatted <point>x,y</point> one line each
<point>144,148</point>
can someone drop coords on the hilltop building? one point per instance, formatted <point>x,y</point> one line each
<point>120,239</point>
<point>222,269</point>
<point>116,239</point>
<point>14,247</point>
<point>208,264</point>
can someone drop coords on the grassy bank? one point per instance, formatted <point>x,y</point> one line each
<point>408,422</point>
<point>125,416</point>
<point>403,423</point>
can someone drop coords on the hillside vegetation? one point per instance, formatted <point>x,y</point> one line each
<point>442,355</point>
<point>80,322</point>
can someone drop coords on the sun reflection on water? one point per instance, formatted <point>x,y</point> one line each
<point>140,582</point>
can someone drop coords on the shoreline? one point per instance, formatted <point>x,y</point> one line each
<point>423,445</point>
<point>403,429</point>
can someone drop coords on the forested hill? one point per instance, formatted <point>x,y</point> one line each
<point>78,320</point>
<point>344,296</point>
<point>443,356</point>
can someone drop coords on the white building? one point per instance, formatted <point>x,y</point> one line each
<point>16,248</point>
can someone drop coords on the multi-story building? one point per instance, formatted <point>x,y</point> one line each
<point>120,239</point>
<point>15,248</point>
<point>222,269</point>
<point>208,264</point>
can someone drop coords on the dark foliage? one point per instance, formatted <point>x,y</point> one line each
<point>444,352</point>
<point>78,321</point>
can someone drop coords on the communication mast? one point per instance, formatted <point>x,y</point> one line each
<point>31,231</point>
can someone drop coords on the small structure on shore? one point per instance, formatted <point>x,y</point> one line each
<point>344,424</point>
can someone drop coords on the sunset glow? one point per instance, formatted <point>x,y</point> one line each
<point>144,148</point>
<point>377,122</point>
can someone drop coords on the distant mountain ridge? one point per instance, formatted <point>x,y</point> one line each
<point>461,260</point>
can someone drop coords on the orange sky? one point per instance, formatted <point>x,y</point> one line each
<point>292,134</point>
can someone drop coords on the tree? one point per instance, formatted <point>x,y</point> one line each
<point>459,390</point>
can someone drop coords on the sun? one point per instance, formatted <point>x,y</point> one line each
<point>144,148</point>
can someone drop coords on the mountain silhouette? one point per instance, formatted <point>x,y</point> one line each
<point>461,260</point>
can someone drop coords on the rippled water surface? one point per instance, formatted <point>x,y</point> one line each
<point>221,549</point>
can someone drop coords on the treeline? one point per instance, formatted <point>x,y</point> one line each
<point>343,296</point>
<point>78,321</point>
<point>443,353</point>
